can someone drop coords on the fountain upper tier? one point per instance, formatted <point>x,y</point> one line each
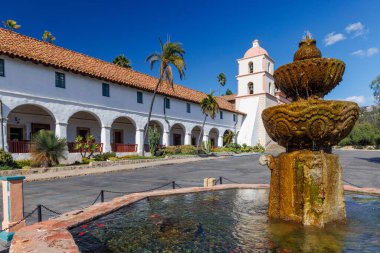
<point>309,74</point>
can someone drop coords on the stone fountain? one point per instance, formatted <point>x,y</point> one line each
<point>306,180</point>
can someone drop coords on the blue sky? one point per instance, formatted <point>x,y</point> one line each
<point>214,33</point>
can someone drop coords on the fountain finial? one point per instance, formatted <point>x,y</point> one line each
<point>307,48</point>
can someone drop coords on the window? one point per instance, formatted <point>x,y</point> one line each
<point>2,72</point>
<point>60,80</point>
<point>268,66</point>
<point>167,103</point>
<point>270,88</point>
<point>106,90</point>
<point>139,97</point>
<point>250,67</point>
<point>188,107</point>
<point>250,88</point>
<point>221,114</point>
<point>234,117</point>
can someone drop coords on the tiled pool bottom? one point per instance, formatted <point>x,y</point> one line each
<point>226,221</point>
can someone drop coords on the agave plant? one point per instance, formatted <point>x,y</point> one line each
<point>48,148</point>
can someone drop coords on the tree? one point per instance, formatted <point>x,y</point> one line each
<point>11,25</point>
<point>222,80</point>
<point>375,86</point>
<point>153,139</point>
<point>48,37</point>
<point>171,55</point>
<point>210,108</point>
<point>122,61</point>
<point>48,148</point>
<point>86,146</point>
<point>229,92</point>
<point>228,138</point>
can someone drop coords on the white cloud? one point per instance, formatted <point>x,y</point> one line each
<point>357,29</point>
<point>358,53</point>
<point>333,38</point>
<point>369,52</point>
<point>357,99</point>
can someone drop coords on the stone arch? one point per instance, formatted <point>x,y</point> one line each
<point>226,132</point>
<point>177,134</point>
<point>250,67</point>
<point>251,88</point>
<point>160,128</point>
<point>213,137</point>
<point>196,133</point>
<point>23,122</point>
<point>84,123</point>
<point>123,134</point>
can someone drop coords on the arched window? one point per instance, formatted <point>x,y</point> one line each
<point>268,66</point>
<point>250,67</point>
<point>250,88</point>
<point>270,88</point>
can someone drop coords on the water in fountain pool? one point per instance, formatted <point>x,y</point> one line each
<point>226,221</point>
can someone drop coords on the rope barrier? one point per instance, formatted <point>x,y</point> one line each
<point>351,183</point>
<point>50,210</point>
<point>232,181</point>
<point>18,222</point>
<point>116,192</point>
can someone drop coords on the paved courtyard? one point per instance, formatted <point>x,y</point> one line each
<point>360,168</point>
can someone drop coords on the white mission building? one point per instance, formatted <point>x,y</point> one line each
<point>43,86</point>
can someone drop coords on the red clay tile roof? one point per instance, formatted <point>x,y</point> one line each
<point>30,49</point>
<point>228,97</point>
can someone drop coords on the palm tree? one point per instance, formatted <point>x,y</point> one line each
<point>222,80</point>
<point>171,54</point>
<point>122,61</point>
<point>209,107</point>
<point>11,25</point>
<point>48,37</point>
<point>47,148</point>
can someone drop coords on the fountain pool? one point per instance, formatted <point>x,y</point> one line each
<point>226,221</point>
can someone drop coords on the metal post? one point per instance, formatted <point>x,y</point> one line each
<point>173,184</point>
<point>221,180</point>
<point>39,212</point>
<point>102,196</point>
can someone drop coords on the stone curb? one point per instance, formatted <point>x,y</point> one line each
<point>54,236</point>
<point>87,166</point>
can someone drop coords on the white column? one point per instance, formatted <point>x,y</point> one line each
<point>220,141</point>
<point>4,138</point>
<point>166,139</point>
<point>61,130</point>
<point>205,137</point>
<point>140,140</point>
<point>106,138</point>
<point>188,138</point>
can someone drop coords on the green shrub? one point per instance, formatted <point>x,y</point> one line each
<point>6,167</point>
<point>6,159</point>
<point>188,150</point>
<point>104,156</point>
<point>206,147</point>
<point>172,150</point>
<point>377,141</point>
<point>153,139</point>
<point>48,148</point>
<point>86,146</point>
<point>113,159</point>
<point>86,160</point>
<point>258,148</point>
<point>23,163</point>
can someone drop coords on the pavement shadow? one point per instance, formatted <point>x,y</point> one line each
<point>371,160</point>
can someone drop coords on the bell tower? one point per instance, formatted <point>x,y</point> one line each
<point>255,92</point>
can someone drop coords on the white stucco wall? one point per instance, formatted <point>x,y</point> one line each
<point>29,83</point>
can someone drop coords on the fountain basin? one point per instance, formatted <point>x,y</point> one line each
<point>312,124</point>
<point>55,235</point>
<point>305,78</point>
